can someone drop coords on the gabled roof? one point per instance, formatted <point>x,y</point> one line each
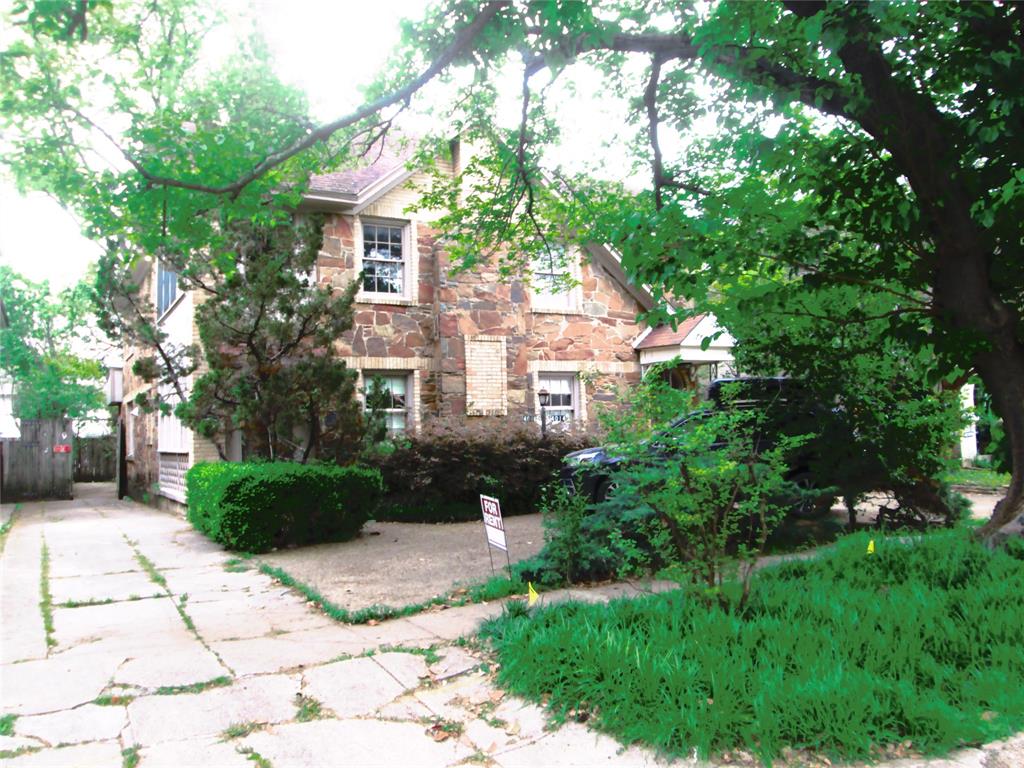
<point>664,336</point>
<point>385,168</point>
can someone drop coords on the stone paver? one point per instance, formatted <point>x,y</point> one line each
<point>574,746</point>
<point>198,752</point>
<point>409,669</point>
<point>49,685</point>
<point>74,726</point>
<point>364,743</point>
<point>105,754</point>
<point>268,699</point>
<point>381,703</point>
<point>352,688</point>
<point>191,664</point>
<point>109,586</point>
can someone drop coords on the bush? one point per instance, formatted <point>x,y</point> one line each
<point>256,506</point>
<point>844,654</point>
<point>438,473</point>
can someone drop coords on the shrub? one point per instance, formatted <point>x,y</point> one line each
<point>438,473</point>
<point>845,654</point>
<point>256,506</point>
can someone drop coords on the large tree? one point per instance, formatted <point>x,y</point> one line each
<point>896,166</point>
<point>875,146</point>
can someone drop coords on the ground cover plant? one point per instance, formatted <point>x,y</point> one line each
<point>254,506</point>
<point>912,640</point>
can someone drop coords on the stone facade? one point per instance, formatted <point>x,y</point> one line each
<point>446,328</point>
<point>455,344</point>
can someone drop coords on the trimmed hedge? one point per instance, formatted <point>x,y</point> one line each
<point>253,507</point>
<point>436,474</point>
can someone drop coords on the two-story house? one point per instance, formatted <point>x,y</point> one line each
<point>454,344</point>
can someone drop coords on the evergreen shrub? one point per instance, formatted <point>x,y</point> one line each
<point>438,473</point>
<point>255,506</point>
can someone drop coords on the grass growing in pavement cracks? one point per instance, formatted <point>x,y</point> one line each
<point>45,598</point>
<point>147,565</point>
<point>130,757</point>
<point>239,730</point>
<point>113,700</point>
<point>493,589</point>
<point>174,690</point>
<point>308,708</point>
<point>7,725</point>
<point>237,565</point>
<point>847,655</point>
<point>255,757</point>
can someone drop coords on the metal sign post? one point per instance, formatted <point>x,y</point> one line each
<point>494,529</point>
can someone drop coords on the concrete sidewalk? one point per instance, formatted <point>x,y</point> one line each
<point>159,647</point>
<point>142,607</point>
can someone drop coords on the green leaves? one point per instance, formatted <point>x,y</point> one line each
<point>41,349</point>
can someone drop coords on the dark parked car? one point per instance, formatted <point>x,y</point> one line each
<point>790,410</point>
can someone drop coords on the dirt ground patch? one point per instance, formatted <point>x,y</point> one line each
<point>397,564</point>
<point>400,563</point>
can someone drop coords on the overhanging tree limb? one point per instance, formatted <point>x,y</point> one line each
<point>461,42</point>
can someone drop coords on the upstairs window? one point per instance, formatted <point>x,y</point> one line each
<point>166,288</point>
<point>552,281</point>
<point>384,258</point>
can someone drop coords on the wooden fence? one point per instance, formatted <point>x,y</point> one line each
<point>39,464</point>
<point>95,459</point>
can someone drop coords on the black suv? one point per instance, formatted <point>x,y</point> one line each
<point>790,410</point>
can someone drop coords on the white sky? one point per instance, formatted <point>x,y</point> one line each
<point>327,49</point>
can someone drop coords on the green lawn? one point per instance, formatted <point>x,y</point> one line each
<point>916,642</point>
<point>985,478</point>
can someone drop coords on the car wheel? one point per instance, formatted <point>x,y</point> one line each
<point>604,489</point>
<point>808,506</point>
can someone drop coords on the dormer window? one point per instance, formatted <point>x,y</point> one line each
<point>384,258</point>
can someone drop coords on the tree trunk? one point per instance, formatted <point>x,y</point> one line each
<point>1004,379</point>
<point>912,128</point>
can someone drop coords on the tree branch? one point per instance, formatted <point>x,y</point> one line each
<point>459,44</point>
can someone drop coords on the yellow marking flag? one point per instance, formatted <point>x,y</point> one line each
<point>532,596</point>
<point>871,547</point>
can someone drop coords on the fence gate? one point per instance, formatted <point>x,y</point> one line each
<point>39,464</point>
<point>95,459</point>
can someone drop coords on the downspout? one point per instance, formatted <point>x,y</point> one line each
<point>438,372</point>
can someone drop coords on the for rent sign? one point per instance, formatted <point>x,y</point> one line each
<point>493,524</point>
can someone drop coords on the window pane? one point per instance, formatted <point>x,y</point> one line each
<point>383,260</point>
<point>395,406</point>
<point>560,389</point>
<point>166,288</point>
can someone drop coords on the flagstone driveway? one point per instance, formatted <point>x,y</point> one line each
<point>155,648</point>
<point>128,639</point>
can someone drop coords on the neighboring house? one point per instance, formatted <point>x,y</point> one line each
<point>699,364</point>
<point>453,344</point>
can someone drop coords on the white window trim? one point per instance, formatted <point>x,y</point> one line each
<point>412,391</point>
<point>579,391</point>
<point>179,295</point>
<point>410,277</point>
<point>539,303</point>
<point>131,413</point>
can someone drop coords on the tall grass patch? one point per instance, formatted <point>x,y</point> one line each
<point>919,640</point>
